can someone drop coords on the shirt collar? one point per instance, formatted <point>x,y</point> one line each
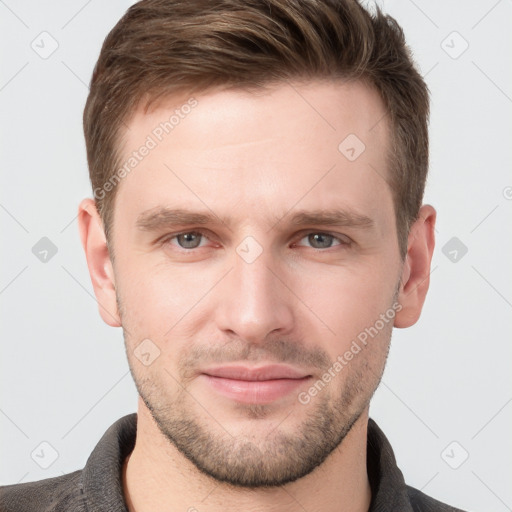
<point>389,492</point>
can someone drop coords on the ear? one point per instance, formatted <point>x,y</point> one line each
<point>415,278</point>
<point>98,261</point>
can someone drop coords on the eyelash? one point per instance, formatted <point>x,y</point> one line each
<point>303,235</point>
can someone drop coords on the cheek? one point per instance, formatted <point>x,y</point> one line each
<point>157,290</point>
<point>349,299</point>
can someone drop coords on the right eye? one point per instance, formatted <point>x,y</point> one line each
<point>187,239</point>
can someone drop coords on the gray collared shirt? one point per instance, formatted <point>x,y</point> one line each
<point>98,487</point>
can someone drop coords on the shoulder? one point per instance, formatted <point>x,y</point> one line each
<point>49,495</point>
<point>422,503</point>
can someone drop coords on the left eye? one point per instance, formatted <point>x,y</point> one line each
<point>323,240</point>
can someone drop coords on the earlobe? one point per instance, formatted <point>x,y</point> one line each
<point>415,277</point>
<point>100,267</point>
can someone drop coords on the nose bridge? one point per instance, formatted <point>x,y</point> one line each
<point>253,302</point>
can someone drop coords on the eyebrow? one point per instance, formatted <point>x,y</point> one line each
<point>152,220</point>
<point>159,218</point>
<point>342,218</point>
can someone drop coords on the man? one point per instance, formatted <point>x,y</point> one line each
<point>257,231</point>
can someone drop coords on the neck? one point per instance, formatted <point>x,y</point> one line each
<point>156,476</point>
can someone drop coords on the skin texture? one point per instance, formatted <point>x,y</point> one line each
<point>252,161</point>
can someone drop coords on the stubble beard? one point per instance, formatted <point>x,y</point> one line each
<point>270,460</point>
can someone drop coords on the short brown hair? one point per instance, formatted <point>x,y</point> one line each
<point>164,47</point>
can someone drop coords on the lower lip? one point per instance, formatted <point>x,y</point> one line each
<point>252,391</point>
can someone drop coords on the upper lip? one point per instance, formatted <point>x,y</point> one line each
<point>256,373</point>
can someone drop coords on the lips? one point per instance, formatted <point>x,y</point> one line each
<point>268,372</point>
<point>254,385</point>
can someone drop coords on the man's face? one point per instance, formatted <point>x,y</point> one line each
<point>250,308</point>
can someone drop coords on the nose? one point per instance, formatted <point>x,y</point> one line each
<point>252,302</point>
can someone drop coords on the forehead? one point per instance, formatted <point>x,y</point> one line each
<point>259,152</point>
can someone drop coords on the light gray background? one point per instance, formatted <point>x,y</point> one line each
<point>64,373</point>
